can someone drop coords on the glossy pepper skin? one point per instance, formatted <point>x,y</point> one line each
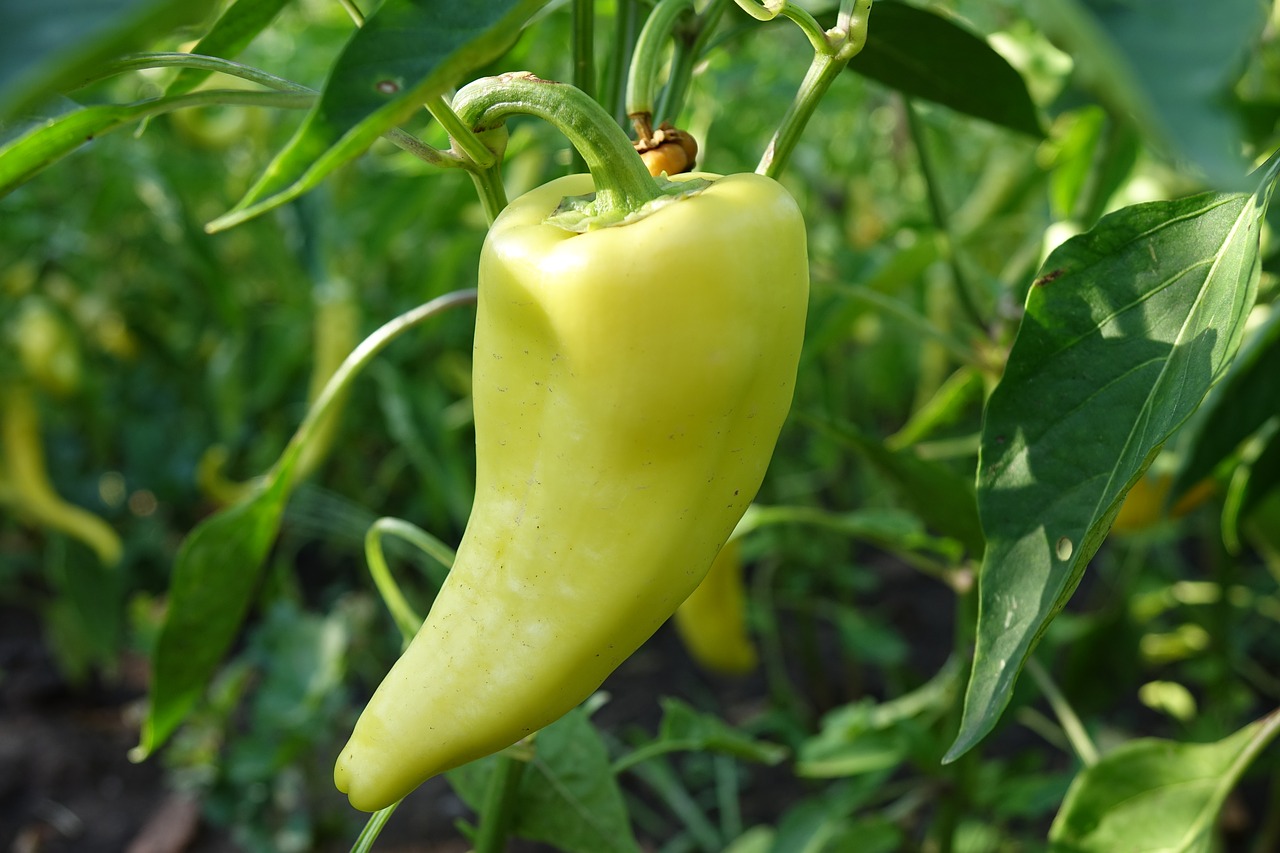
<point>629,386</point>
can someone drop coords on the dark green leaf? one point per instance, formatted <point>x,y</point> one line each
<point>567,794</point>
<point>1252,482</point>
<point>230,34</point>
<point>1156,796</point>
<point>944,499</point>
<point>1168,64</point>
<point>50,46</point>
<point>214,579</point>
<point>1125,331</point>
<point>1246,399</point>
<point>922,54</point>
<point>407,52</point>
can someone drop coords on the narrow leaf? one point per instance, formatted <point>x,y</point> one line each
<point>214,579</point>
<point>407,52</point>
<point>45,144</point>
<point>1125,331</point>
<point>1156,796</point>
<point>919,52</point>
<point>48,47</point>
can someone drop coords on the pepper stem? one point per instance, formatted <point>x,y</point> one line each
<point>623,184</point>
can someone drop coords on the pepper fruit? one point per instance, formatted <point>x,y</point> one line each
<point>630,383</point>
<point>711,622</point>
<point>24,481</point>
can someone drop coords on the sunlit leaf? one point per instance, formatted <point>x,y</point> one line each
<point>407,52</point>
<point>1156,796</point>
<point>1125,331</point>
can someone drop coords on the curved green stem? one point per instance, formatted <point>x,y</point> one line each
<point>196,61</point>
<point>623,184</point>
<point>832,51</point>
<point>351,367</point>
<point>465,142</point>
<point>646,61</point>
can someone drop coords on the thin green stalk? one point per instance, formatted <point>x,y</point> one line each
<point>139,61</point>
<point>499,805</point>
<point>584,60</point>
<point>356,362</point>
<point>1071,725</point>
<point>354,11</point>
<point>406,619</point>
<point>647,61</point>
<point>961,772</point>
<point>941,219</point>
<point>832,51</point>
<point>465,141</point>
<point>373,828</point>
<point>623,184</point>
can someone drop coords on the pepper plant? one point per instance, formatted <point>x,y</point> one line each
<point>982,299</point>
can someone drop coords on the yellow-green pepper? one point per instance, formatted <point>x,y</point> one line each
<point>712,620</point>
<point>630,383</point>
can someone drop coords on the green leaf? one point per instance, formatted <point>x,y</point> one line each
<point>45,144</point>
<point>1245,400</point>
<point>230,34</point>
<point>407,52</point>
<point>214,578</point>
<point>867,736</point>
<point>1252,481</point>
<point>942,498</point>
<point>1156,796</point>
<point>50,46</point>
<point>1160,63</point>
<point>926,55</point>
<point>1125,331</point>
<point>567,794</point>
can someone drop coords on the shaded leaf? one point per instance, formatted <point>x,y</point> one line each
<point>407,52</point>
<point>50,46</point>
<point>1245,400</point>
<point>214,578</point>
<point>921,53</point>
<point>567,794</point>
<point>1165,65</point>
<point>1156,796</point>
<point>1124,333</point>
